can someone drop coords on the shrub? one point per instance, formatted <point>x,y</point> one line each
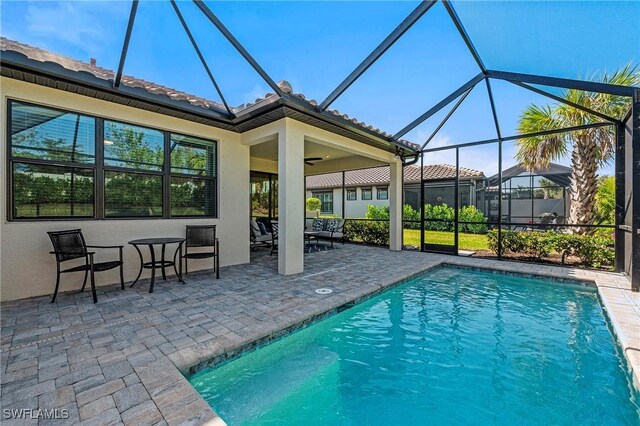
<point>492,240</point>
<point>516,242</point>
<point>472,214</point>
<point>537,244</point>
<point>593,250</point>
<point>382,213</point>
<point>363,231</point>
<point>377,213</point>
<point>313,204</point>
<point>408,213</point>
<point>441,212</point>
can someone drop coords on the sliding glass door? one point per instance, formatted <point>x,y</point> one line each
<point>264,196</point>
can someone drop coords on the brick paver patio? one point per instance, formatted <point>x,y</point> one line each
<point>124,360</point>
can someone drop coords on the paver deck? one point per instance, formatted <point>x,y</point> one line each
<point>124,360</point>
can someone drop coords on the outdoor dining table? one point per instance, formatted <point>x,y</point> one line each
<point>162,263</point>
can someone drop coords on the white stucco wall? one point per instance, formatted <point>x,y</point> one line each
<point>26,267</point>
<point>354,208</point>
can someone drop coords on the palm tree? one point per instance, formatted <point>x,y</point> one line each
<point>589,148</point>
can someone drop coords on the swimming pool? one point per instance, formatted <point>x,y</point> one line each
<point>454,346</point>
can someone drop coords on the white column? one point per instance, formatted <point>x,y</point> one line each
<point>395,206</point>
<point>291,207</point>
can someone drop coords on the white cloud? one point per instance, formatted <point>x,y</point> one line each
<point>92,26</point>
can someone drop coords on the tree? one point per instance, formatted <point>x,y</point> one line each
<point>129,147</point>
<point>589,148</point>
<point>606,201</point>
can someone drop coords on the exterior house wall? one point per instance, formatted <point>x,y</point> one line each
<point>353,208</point>
<point>26,267</point>
<point>521,211</point>
<point>262,165</point>
<point>291,136</point>
<point>358,207</point>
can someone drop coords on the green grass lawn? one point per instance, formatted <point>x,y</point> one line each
<point>466,241</point>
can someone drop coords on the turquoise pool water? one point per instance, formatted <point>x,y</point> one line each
<point>452,347</point>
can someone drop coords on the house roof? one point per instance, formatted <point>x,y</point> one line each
<point>556,173</point>
<point>22,61</point>
<point>44,56</point>
<point>380,176</point>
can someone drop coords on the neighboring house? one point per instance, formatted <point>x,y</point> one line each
<point>370,187</point>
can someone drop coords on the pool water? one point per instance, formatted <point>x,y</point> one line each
<point>454,346</point>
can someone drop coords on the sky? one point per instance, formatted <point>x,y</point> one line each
<point>315,45</point>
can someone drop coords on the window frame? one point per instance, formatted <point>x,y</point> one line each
<point>362,191</point>
<point>11,160</point>
<point>322,203</point>
<point>353,191</point>
<point>98,167</point>
<point>380,189</point>
<point>171,174</point>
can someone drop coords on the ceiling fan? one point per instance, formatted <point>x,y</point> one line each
<point>311,160</point>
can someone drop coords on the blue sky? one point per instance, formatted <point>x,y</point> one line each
<point>314,45</point>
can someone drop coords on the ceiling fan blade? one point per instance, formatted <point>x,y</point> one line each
<point>313,159</point>
<point>308,163</point>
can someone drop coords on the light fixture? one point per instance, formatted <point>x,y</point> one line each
<point>327,156</point>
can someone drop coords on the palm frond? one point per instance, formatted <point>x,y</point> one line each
<point>535,153</point>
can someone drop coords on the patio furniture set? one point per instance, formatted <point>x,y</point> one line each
<point>321,230</point>
<point>70,245</point>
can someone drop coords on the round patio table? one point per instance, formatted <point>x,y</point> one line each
<point>310,236</point>
<point>162,263</point>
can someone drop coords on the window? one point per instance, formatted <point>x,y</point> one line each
<point>366,194</point>
<point>132,194</point>
<point>135,193</point>
<point>140,172</point>
<point>383,193</point>
<point>133,147</point>
<point>52,161</point>
<point>351,194</point>
<point>326,198</point>
<point>51,191</point>
<point>193,176</point>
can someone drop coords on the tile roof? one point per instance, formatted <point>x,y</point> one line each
<point>380,176</point>
<point>44,56</point>
<point>288,89</point>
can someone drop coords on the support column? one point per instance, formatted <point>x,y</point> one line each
<point>395,206</point>
<point>635,191</point>
<point>620,199</point>
<point>291,207</point>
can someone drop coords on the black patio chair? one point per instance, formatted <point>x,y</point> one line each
<point>69,245</point>
<point>202,236</point>
<point>274,237</point>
